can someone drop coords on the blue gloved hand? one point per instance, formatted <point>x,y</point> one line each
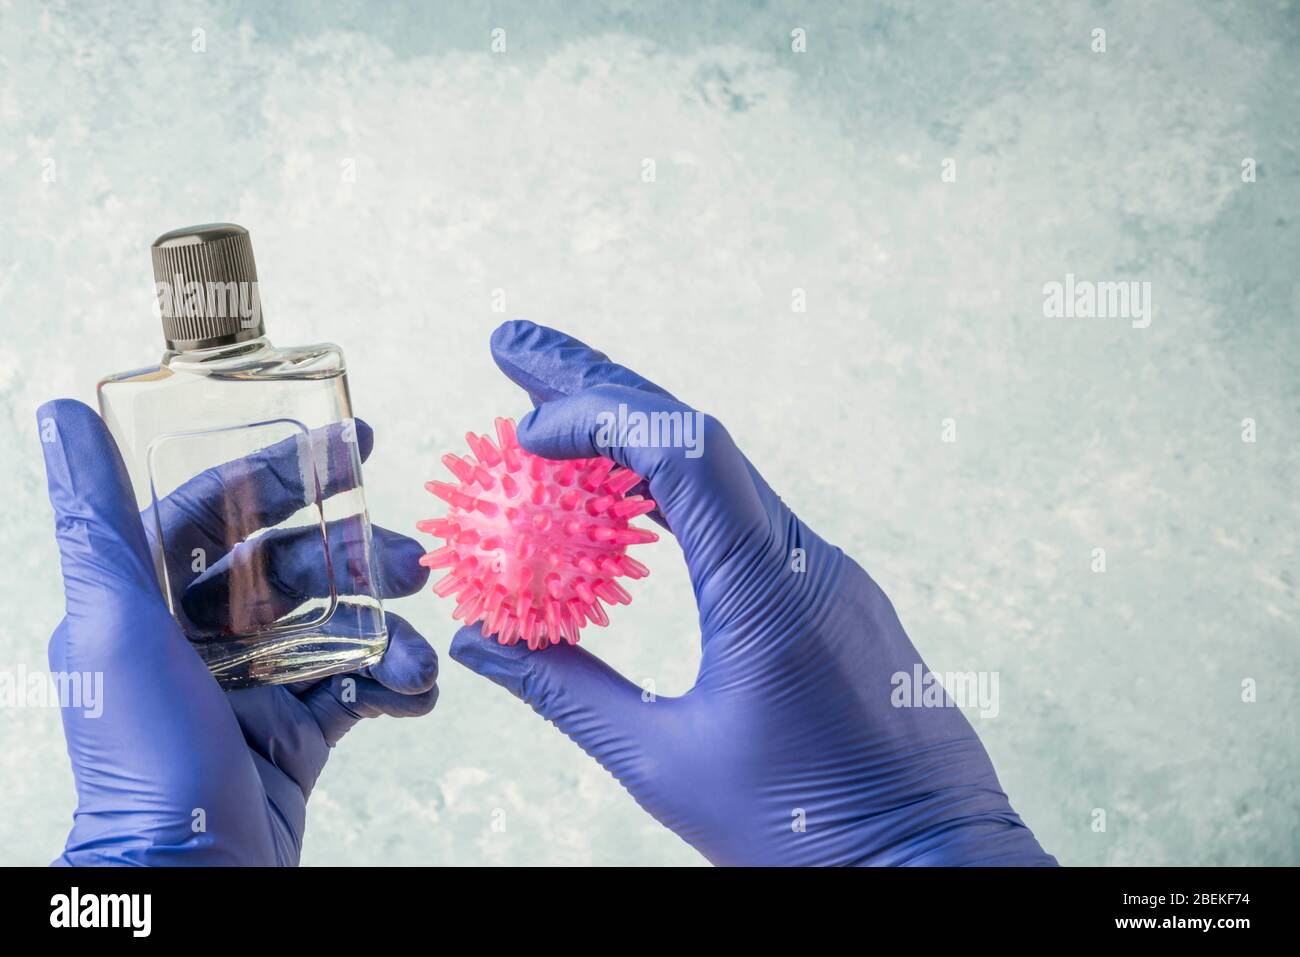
<point>788,749</point>
<point>169,769</point>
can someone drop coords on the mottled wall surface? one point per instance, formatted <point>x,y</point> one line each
<point>394,172</point>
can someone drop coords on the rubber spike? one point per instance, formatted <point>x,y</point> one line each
<point>458,467</point>
<point>491,456</point>
<point>496,599</point>
<point>506,434</point>
<point>632,568</point>
<point>447,584</point>
<point>596,613</point>
<point>450,494</point>
<point>568,626</point>
<point>532,631</point>
<point>574,607</point>
<point>469,608</point>
<point>524,549</point>
<point>475,446</point>
<point>443,557</point>
<point>552,620</point>
<point>595,475</point>
<point>493,621</point>
<point>613,592</point>
<point>632,507</point>
<point>509,632</point>
<point>620,482</point>
<point>442,527</point>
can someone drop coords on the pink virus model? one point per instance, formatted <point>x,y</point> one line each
<point>533,544</point>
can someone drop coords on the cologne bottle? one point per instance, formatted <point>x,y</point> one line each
<point>246,465</point>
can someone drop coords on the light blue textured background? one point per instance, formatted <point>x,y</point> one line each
<point>776,170</point>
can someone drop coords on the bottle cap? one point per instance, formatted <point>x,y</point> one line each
<point>207,286</point>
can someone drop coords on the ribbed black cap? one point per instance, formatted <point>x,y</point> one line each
<point>207,286</point>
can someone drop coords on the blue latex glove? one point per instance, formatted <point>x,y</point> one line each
<point>787,750</point>
<point>175,771</point>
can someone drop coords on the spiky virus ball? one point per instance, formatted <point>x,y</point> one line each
<point>532,544</point>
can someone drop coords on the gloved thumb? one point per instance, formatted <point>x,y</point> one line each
<point>102,545</point>
<point>701,483</point>
<point>605,714</point>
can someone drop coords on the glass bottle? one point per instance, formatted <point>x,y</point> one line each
<point>246,465</point>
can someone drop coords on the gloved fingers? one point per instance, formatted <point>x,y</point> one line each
<point>293,727</point>
<point>697,477</point>
<point>283,730</point>
<point>102,544</point>
<point>410,665</point>
<point>605,714</point>
<point>226,503</point>
<point>403,684</point>
<point>549,364</point>
<point>261,580</point>
<point>288,807</point>
<point>340,702</point>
